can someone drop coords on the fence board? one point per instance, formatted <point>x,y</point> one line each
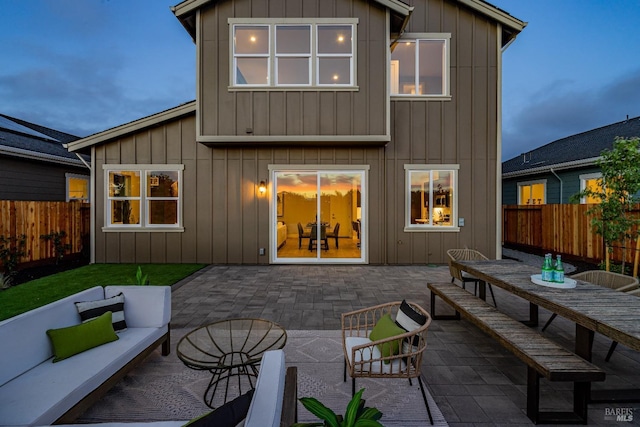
<point>34,219</point>
<point>564,229</point>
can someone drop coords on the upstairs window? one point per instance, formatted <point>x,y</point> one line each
<point>420,66</point>
<point>293,53</point>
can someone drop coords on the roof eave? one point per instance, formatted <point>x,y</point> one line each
<point>127,128</point>
<point>592,161</point>
<point>41,157</point>
<point>495,13</point>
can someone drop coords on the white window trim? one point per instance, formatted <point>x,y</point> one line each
<point>526,183</point>
<point>364,220</point>
<point>446,65</point>
<point>144,220</point>
<point>408,227</point>
<point>583,182</point>
<point>314,23</point>
<point>87,178</point>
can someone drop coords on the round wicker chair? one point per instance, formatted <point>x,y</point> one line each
<point>362,357</point>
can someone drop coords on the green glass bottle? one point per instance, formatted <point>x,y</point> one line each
<point>547,269</point>
<point>558,271</point>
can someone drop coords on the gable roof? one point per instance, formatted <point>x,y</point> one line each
<point>400,13</point>
<point>155,119</point>
<point>582,149</point>
<point>19,138</point>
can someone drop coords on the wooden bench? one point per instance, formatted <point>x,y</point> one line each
<point>544,358</point>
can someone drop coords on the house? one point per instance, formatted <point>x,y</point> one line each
<point>35,165</point>
<point>323,131</point>
<point>558,170</point>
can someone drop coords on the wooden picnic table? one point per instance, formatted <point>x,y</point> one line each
<point>593,308</point>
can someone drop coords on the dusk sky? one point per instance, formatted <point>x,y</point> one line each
<point>83,66</point>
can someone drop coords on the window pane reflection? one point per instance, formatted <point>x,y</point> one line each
<point>251,40</point>
<point>125,212</point>
<point>334,39</point>
<point>334,71</point>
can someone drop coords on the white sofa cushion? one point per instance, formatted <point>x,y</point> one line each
<point>26,334</point>
<point>396,365</point>
<point>144,306</point>
<point>266,405</point>
<point>43,394</point>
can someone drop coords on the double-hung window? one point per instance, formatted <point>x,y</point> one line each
<point>420,65</point>
<point>431,197</point>
<point>143,197</point>
<point>292,52</point>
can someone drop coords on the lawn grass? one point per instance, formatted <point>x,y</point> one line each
<point>36,293</point>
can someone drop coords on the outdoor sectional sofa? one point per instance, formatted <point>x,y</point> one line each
<point>36,391</point>
<point>273,402</point>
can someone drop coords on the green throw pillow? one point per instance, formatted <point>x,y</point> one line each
<point>76,339</point>
<point>386,328</point>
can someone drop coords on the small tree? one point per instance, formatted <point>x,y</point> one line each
<point>612,216</point>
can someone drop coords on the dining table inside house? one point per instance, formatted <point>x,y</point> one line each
<point>593,308</point>
<point>311,229</point>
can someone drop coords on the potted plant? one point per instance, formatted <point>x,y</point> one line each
<point>356,415</point>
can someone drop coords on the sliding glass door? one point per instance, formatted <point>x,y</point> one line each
<point>318,216</point>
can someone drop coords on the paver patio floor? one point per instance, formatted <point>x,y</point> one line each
<point>473,379</point>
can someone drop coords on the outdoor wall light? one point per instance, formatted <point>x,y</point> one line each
<point>262,187</point>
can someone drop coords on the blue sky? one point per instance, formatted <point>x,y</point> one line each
<point>83,66</point>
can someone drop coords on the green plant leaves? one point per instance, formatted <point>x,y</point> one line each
<point>356,415</point>
<point>141,279</point>
<point>314,406</point>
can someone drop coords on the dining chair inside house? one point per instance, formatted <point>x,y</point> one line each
<point>334,234</point>
<point>386,341</point>
<point>608,279</point>
<point>355,225</point>
<point>313,238</point>
<point>464,277</point>
<point>302,235</point>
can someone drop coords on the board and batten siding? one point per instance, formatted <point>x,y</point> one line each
<point>291,112</point>
<point>460,131</point>
<point>225,220</point>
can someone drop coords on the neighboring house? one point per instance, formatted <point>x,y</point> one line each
<point>378,115</point>
<point>558,170</point>
<point>35,165</point>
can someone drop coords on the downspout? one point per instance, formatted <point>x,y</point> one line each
<point>82,160</point>
<point>405,22</point>
<point>498,205</point>
<point>561,183</point>
<point>92,202</point>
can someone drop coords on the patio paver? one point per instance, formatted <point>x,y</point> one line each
<point>473,380</point>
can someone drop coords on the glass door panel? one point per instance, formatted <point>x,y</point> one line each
<point>317,216</point>
<point>296,206</point>
<point>340,193</point>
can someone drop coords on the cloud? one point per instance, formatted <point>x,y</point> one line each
<point>561,110</point>
<point>84,95</point>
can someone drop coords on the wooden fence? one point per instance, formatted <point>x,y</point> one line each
<point>34,219</point>
<point>564,229</point>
